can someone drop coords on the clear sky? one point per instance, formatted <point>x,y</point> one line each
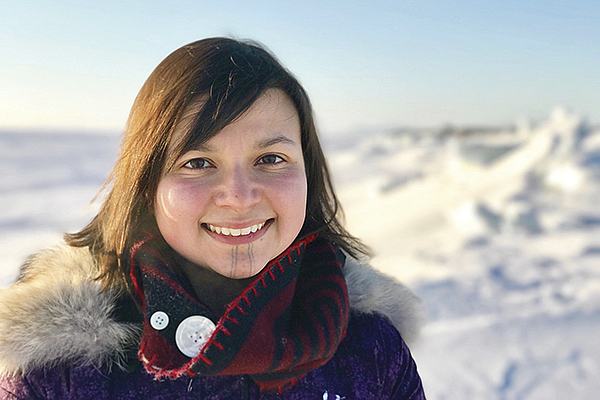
<point>79,64</point>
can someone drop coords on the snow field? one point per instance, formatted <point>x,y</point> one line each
<point>499,234</point>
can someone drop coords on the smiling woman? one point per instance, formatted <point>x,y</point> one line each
<point>217,266</point>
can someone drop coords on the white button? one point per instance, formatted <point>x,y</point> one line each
<point>192,334</point>
<point>159,320</point>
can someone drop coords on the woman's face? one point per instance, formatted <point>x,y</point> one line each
<point>239,200</point>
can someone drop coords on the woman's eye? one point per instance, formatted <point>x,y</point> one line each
<point>270,159</point>
<point>197,163</point>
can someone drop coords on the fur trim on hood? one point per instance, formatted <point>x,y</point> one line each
<point>57,312</point>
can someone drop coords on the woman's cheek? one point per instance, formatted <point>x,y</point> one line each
<point>180,198</point>
<point>292,180</point>
<point>290,191</point>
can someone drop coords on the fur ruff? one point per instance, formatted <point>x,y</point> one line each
<point>57,312</point>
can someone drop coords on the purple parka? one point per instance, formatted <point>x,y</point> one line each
<point>372,362</point>
<point>48,351</point>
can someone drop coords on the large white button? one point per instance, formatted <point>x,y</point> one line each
<point>159,320</point>
<point>192,334</point>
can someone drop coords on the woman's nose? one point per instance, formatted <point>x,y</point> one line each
<point>237,190</point>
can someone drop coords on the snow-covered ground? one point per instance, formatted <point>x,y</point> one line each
<point>497,231</point>
<point>499,234</point>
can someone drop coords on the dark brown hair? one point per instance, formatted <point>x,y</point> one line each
<point>225,77</point>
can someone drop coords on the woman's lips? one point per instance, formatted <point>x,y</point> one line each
<point>236,232</point>
<point>236,236</point>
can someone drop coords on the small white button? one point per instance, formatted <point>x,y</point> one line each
<point>159,320</point>
<point>192,334</point>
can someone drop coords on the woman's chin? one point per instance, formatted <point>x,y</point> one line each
<point>239,269</point>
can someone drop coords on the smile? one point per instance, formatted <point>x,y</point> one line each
<point>236,232</point>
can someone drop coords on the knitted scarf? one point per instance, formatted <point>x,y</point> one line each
<point>287,322</point>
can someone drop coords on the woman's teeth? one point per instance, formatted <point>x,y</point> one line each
<point>236,232</point>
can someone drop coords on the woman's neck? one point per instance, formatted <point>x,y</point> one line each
<point>213,290</point>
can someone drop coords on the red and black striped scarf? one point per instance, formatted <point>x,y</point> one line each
<point>287,322</point>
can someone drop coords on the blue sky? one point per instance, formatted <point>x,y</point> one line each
<point>79,64</point>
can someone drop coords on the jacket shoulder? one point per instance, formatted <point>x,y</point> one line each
<point>371,362</point>
<point>372,292</point>
<point>387,355</point>
<point>58,263</point>
<point>58,312</point>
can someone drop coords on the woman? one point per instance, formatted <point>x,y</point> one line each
<point>216,266</point>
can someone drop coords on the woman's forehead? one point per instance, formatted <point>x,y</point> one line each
<point>272,109</point>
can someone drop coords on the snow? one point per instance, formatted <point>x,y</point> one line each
<point>47,184</point>
<point>497,230</point>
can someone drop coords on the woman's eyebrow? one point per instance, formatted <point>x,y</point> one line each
<point>204,147</point>
<point>273,141</point>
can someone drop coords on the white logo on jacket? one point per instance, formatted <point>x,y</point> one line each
<point>337,396</point>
